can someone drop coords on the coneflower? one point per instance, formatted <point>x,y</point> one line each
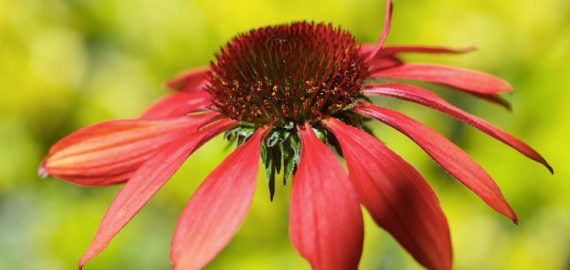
<point>291,95</point>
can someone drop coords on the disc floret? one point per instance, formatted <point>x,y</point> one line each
<point>286,74</point>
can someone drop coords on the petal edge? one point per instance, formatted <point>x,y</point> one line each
<point>429,99</point>
<point>396,195</point>
<point>145,183</point>
<point>463,79</point>
<point>325,221</point>
<point>445,153</point>
<point>217,208</point>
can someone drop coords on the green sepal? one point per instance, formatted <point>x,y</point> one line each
<point>321,134</point>
<point>239,134</point>
<point>291,154</point>
<point>277,158</point>
<point>280,151</point>
<point>269,166</point>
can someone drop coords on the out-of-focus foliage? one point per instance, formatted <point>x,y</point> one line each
<point>68,64</point>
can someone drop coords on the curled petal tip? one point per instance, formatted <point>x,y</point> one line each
<point>470,48</point>
<point>508,87</point>
<point>84,259</point>
<point>512,216</point>
<point>42,171</point>
<point>545,163</point>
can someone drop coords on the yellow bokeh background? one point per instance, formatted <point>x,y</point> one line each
<point>68,64</point>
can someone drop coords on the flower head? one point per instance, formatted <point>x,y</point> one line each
<point>289,94</point>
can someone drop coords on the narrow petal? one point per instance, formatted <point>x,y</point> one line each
<point>389,50</point>
<point>447,154</point>
<point>429,99</point>
<point>396,195</point>
<point>149,178</point>
<point>385,31</point>
<point>189,81</point>
<point>397,49</point>
<point>217,208</point>
<point>325,221</point>
<point>178,104</point>
<point>110,152</point>
<point>464,79</point>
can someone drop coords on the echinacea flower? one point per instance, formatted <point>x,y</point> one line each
<point>292,94</point>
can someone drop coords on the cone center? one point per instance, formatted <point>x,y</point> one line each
<point>287,74</point>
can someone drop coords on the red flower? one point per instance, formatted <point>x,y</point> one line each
<point>290,93</point>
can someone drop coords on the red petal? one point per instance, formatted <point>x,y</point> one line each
<point>385,31</point>
<point>190,81</point>
<point>146,182</point>
<point>109,152</point>
<point>396,195</point>
<point>447,154</point>
<point>397,49</point>
<point>104,180</point>
<point>325,222</point>
<point>217,208</point>
<point>391,50</point>
<point>178,104</point>
<point>464,79</point>
<point>366,48</point>
<point>427,98</point>
<point>379,63</point>
<point>384,63</point>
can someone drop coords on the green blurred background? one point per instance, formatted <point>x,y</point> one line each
<point>68,64</point>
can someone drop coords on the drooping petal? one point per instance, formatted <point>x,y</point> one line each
<point>178,104</point>
<point>385,31</point>
<point>217,208</point>
<point>429,99</point>
<point>396,195</point>
<point>464,79</point>
<point>148,179</point>
<point>447,154</point>
<point>110,152</point>
<point>190,80</point>
<point>325,221</point>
